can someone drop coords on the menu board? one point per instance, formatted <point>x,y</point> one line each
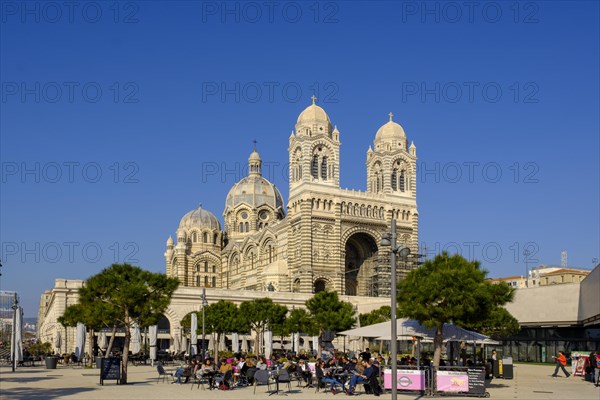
<point>110,368</point>
<point>476,380</point>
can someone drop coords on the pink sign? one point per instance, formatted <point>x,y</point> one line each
<point>408,379</point>
<point>452,381</point>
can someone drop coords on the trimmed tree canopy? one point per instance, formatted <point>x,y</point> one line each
<point>128,295</point>
<point>450,289</point>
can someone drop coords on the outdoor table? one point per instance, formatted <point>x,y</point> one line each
<point>275,375</point>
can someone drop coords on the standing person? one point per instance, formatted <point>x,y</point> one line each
<point>595,366</point>
<point>365,355</point>
<point>561,361</point>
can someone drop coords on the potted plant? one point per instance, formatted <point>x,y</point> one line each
<point>39,350</point>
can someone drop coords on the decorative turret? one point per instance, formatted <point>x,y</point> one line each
<point>391,166</point>
<point>315,149</point>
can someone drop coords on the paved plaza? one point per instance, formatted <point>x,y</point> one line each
<point>530,382</point>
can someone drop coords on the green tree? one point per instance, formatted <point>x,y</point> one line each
<point>330,313</point>
<point>130,294</point>
<point>499,325</point>
<point>260,314</point>
<point>222,317</point>
<point>449,289</point>
<point>382,314</point>
<point>95,318</point>
<point>300,320</point>
<point>219,318</point>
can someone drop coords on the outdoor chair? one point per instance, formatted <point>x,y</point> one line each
<point>261,377</point>
<point>224,379</point>
<point>250,375</point>
<point>162,373</point>
<point>284,377</point>
<point>200,379</point>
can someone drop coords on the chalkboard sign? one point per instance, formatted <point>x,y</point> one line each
<point>110,368</point>
<point>476,381</point>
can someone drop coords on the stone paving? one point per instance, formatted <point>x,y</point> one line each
<point>27,383</point>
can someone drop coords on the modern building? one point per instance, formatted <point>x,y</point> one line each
<point>556,317</point>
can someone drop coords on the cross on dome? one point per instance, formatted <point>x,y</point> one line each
<point>314,98</point>
<point>391,115</point>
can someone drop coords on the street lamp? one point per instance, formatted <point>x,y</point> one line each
<point>204,304</point>
<point>15,308</point>
<point>403,252</point>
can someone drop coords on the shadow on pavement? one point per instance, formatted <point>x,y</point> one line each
<point>18,379</point>
<point>36,393</point>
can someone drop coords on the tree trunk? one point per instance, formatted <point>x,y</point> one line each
<point>438,343</point>
<point>112,341</point>
<point>125,349</point>
<point>91,345</point>
<point>257,341</point>
<point>217,344</point>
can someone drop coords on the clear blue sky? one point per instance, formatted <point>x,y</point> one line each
<point>121,115</point>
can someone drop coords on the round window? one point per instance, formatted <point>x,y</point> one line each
<point>244,215</point>
<point>263,215</point>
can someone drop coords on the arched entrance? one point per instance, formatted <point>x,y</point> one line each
<point>360,266</point>
<point>320,285</point>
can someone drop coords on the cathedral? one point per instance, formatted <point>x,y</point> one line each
<point>323,237</point>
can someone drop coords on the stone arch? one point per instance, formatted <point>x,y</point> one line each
<point>361,255</point>
<point>322,283</point>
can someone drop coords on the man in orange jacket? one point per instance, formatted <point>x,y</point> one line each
<point>561,361</point>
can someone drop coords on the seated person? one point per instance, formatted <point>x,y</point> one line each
<point>304,372</point>
<point>184,372</point>
<point>362,377</point>
<point>289,364</point>
<point>225,366</point>
<point>208,371</point>
<point>325,375</point>
<point>262,363</point>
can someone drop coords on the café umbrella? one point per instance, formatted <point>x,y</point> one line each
<point>80,341</point>
<point>194,336</point>
<point>153,331</point>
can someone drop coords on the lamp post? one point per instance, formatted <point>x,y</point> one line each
<point>390,240</point>
<point>204,304</point>
<point>15,308</point>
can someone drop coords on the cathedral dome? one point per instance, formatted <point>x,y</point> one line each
<point>313,115</point>
<point>390,131</point>
<point>199,219</point>
<point>255,191</point>
<point>390,136</point>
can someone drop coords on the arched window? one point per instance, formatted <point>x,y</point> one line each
<point>205,266</point>
<point>214,269</point>
<point>194,237</point>
<point>214,281</point>
<point>394,180</point>
<point>314,168</point>
<point>205,281</point>
<point>215,237</point>
<point>246,227</point>
<point>241,227</point>
<point>205,237</point>
<point>402,181</point>
<point>197,280</point>
<point>324,168</point>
